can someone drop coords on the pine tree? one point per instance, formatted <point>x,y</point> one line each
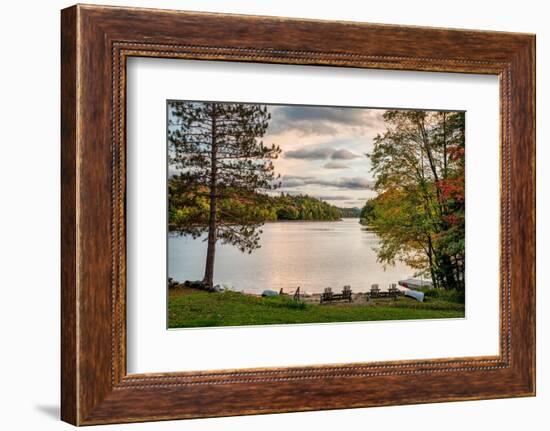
<point>222,164</point>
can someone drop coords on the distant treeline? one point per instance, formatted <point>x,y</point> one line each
<point>350,212</point>
<point>303,207</point>
<point>189,207</point>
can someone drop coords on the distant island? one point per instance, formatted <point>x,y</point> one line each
<point>351,212</point>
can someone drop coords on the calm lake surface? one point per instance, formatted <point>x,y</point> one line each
<point>313,255</point>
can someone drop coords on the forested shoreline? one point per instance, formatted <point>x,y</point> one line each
<point>281,207</point>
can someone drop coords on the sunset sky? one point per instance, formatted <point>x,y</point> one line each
<point>323,151</point>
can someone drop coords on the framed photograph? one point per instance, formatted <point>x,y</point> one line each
<point>267,215</point>
<point>343,195</point>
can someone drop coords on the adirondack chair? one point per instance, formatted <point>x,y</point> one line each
<point>346,293</point>
<point>393,291</point>
<point>327,295</point>
<point>374,291</point>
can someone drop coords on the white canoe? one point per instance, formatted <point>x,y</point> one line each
<point>419,296</point>
<point>414,283</point>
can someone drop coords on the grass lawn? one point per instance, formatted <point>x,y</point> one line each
<point>189,308</point>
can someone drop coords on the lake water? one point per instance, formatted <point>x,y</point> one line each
<point>313,255</point>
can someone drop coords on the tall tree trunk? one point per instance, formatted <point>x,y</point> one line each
<point>447,272</point>
<point>430,254</point>
<point>212,221</point>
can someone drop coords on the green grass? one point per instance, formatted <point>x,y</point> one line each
<point>189,308</point>
<point>443,294</point>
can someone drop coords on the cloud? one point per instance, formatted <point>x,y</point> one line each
<point>309,153</point>
<point>323,120</point>
<point>353,183</point>
<point>357,183</point>
<point>335,165</point>
<point>289,181</point>
<point>344,154</point>
<point>320,153</point>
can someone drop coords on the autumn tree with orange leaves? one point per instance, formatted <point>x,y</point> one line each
<point>419,211</point>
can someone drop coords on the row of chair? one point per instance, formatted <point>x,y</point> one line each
<point>375,292</point>
<point>329,296</point>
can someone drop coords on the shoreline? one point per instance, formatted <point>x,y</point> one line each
<point>299,221</point>
<point>358,298</point>
<point>303,221</point>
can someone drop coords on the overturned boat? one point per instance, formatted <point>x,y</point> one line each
<point>414,283</point>
<point>411,284</point>
<point>419,296</point>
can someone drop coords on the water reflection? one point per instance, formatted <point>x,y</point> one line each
<point>313,255</point>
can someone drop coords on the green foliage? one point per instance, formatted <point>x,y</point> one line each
<point>350,212</point>
<point>435,304</point>
<point>449,295</point>
<point>190,208</point>
<point>366,216</point>
<point>419,211</point>
<point>303,207</point>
